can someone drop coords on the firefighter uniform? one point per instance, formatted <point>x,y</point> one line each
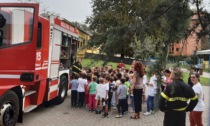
<point>173,101</point>
<point>76,68</point>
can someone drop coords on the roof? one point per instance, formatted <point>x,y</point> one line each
<point>203,52</point>
<point>86,32</point>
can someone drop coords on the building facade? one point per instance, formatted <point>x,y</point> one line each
<point>82,45</point>
<point>188,46</point>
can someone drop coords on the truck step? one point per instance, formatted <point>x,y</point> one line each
<point>30,92</point>
<point>29,108</point>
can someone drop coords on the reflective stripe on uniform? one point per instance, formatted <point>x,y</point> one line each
<point>164,96</point>
<point>174,98</point>
<point>178,99</point>
<point>77,67</point>
<point>75,72</point>
<point>194,98</point>
<point>180,109</point>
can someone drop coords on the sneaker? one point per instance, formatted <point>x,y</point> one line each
<point>147,113</point>
<point>152,112</point>
<point>118,116</point>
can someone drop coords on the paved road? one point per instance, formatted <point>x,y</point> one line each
<point>64,115</point>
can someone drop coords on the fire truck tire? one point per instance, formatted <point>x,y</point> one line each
<point>63,87</point>
<point>9,104</point>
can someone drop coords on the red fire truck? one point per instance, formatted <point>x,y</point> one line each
<point>35,55</point>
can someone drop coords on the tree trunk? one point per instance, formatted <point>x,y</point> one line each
<point>122,56</point>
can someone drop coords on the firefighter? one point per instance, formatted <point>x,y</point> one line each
<point>77,67</point>
<point>173,101</point>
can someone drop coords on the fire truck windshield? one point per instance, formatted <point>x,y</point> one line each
<point>16,25</point>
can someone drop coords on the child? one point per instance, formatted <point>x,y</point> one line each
<point>92,94</point>
<point>111,89</point>
<point>105,96</point>
<point>152,86</point>
<point>131,94</point>
<point>113,101</point>
<point>117,83</point>
<point>86,90</point>
<point>81,89</point>
<point>74,85</point>
<point>121,93</point>
<point>99,93</point>
<point>127,84</point>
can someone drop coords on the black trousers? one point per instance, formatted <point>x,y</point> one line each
<point>74,97</point>
<point>126,103</point>
<point>137,93</point>
<point>81,99</point>
<point>121,106</point>
<point>110,100</point>
<point>174,118</point>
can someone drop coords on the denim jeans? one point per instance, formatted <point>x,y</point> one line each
<point>150,103</point>
<point>132,102</point>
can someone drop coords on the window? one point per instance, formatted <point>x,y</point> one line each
<point>177,49</point>
<point>39,36</point>
<point>16,25</point>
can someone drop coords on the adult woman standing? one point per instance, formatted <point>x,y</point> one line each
<point>196,114</point>
<point>137,88</point>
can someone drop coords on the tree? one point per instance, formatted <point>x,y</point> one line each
<point>126,26</point>
<point>115,23</point>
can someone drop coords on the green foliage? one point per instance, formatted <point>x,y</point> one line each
<point>138,28</point>
<point>192,60</point>
<point>116,23</point>
<point>99,63</point>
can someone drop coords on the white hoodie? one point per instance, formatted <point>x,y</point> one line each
<point>152,89</point>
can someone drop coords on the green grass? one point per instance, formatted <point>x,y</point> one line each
<point>203,80</point>
<point>90,63</point>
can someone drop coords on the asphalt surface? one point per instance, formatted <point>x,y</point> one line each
<point>64,115</point>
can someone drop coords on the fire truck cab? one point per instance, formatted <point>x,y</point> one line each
<point>35,55</point>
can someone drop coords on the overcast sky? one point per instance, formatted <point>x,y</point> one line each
<point>73,10</point>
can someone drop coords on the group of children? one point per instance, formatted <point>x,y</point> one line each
<point>101,89</point>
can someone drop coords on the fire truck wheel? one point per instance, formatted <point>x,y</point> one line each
<point>9,104</point>
<point>63,87</point>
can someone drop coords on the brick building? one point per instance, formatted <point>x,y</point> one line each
<point>188,46</point>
